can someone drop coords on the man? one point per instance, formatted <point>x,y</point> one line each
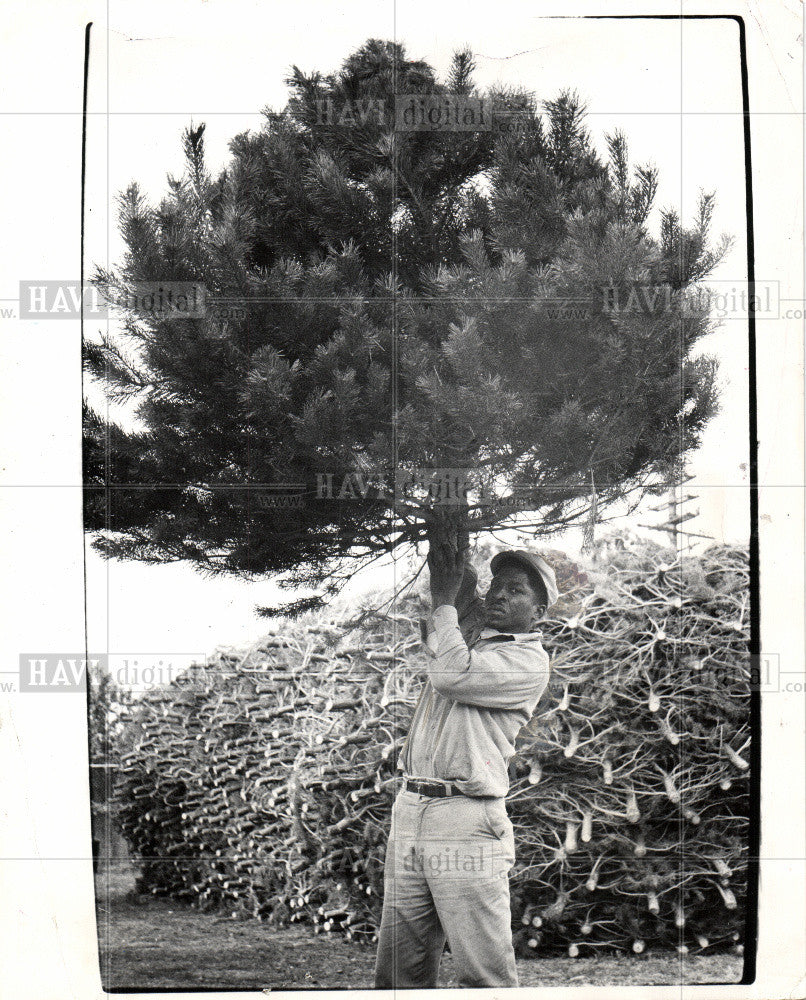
<point>451,843</point>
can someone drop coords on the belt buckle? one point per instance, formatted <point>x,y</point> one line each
<point>439,790</point>
<point>436,789</point>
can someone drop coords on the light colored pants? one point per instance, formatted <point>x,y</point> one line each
<point>446,875</point>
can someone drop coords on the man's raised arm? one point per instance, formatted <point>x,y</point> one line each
<point>502,674</point>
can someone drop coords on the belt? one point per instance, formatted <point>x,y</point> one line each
<point>436,789</point>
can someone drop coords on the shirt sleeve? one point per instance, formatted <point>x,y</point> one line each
<point>507,675</point>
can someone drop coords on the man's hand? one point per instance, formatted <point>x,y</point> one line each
<point>446,566</point>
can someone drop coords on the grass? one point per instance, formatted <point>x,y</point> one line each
<point>154,944</point>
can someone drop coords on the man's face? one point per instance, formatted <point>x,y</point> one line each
<point>511,604</point>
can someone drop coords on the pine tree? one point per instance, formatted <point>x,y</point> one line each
<point>489,302</point>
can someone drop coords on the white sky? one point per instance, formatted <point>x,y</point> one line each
<point>674,89</point>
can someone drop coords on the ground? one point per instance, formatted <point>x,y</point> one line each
<point>152,944</point>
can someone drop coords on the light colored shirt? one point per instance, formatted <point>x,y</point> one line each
<point>473,705</point>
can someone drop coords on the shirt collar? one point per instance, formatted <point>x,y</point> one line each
<point>491,633</point>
